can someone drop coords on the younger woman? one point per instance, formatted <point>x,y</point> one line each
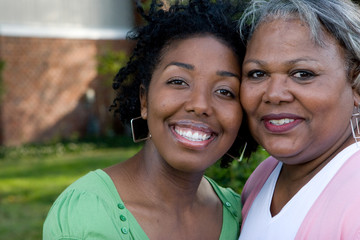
<point>183,79</point>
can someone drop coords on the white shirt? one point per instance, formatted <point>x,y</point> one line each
<point>259,223</point>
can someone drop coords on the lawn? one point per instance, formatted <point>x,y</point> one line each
<point>31,177</point>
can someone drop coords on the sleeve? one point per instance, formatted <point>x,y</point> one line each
<point>79,215</point>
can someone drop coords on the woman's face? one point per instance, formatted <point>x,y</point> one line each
<point>193,103</point>
<point>296,93</point>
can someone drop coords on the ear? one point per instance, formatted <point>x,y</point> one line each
<point>143,101</point>
<point>356,96</point>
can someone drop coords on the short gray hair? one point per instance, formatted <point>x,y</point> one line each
<point>340,18</point>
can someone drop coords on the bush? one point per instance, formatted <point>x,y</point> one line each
<point>110,63</point>
<point>236,175</point>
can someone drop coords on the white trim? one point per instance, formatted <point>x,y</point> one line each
<point>62,32</point>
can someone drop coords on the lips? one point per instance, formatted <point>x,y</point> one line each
<point>193,135</point>
<point>279,123</point>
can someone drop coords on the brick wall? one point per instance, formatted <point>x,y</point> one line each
<point>45,83</point>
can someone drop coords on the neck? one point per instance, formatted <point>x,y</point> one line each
<point>307,170</point>
<point>164,184</point>
<point>293,177</point>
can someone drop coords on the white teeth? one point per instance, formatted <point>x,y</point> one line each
<point>280,122</point>
<point>196,136</point>
<point>188,134</point>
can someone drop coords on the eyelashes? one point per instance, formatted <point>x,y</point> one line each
<point>177,81</point>
<point>223,91</point>
<point>298,75</point>
<point>226,93</point>
<point>256,74</point>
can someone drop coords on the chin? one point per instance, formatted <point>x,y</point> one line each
<point>189,167</point>
<point>289,158</point>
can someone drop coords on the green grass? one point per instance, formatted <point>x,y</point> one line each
<point>31,177</point>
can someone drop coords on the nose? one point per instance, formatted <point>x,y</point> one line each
<point>277,90</point>
<point>199,101</point>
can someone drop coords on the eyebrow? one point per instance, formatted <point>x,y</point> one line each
<point>227,74</point>
<point>301,60</point>
<point>291,62</point>
<point>192,67</point>
<point>182,65</point>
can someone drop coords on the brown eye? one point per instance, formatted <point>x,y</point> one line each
<point>303,75</point>
<point>177,81</point>
<point>256,74</point>
<point>226,93</point>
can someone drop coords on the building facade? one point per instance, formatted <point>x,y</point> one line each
<point>51,87</point>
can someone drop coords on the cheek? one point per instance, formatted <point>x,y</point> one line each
<point>334,113</point>
<point>336,103</point>
<point>254,128</point>
<point>249,96</point>
<point>163,104</point>
<point>232,119</point>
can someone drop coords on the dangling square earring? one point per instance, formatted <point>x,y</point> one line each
<point>242,153</point>
<point>354,122</point>
<point>241,156</point>
<point>139,129</point>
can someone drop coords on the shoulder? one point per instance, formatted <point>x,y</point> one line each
<point>231,210</point>
<point>255,182</point>
<point>230,199</point>
<point>224,193</point>
<point>338,204</point>
<point>94,185</point>
<point>85,207</point>
<point>258,178</point>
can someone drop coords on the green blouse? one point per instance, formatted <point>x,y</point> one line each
<point>91,208</point>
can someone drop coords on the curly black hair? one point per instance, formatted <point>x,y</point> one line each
<point>163,26</point>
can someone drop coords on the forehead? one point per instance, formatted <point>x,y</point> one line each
<point>281,29</point>
<point>316,29</point>
<point>191,41</point>
<point>195,48</point>
<point>290,36</point>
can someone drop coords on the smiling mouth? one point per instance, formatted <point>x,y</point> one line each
<point>192,135</point>
<point>280,122</point>
<point>281,125</point>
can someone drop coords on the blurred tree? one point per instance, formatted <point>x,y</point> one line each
<point>110,63</point>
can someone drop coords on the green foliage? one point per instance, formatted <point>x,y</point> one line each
<point>2,65</point>
<point>110,63</point>
<point>235,176</point>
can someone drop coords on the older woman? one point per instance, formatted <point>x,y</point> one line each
<point>300,89</point>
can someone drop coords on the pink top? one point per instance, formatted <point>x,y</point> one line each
<point>336,212</point>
